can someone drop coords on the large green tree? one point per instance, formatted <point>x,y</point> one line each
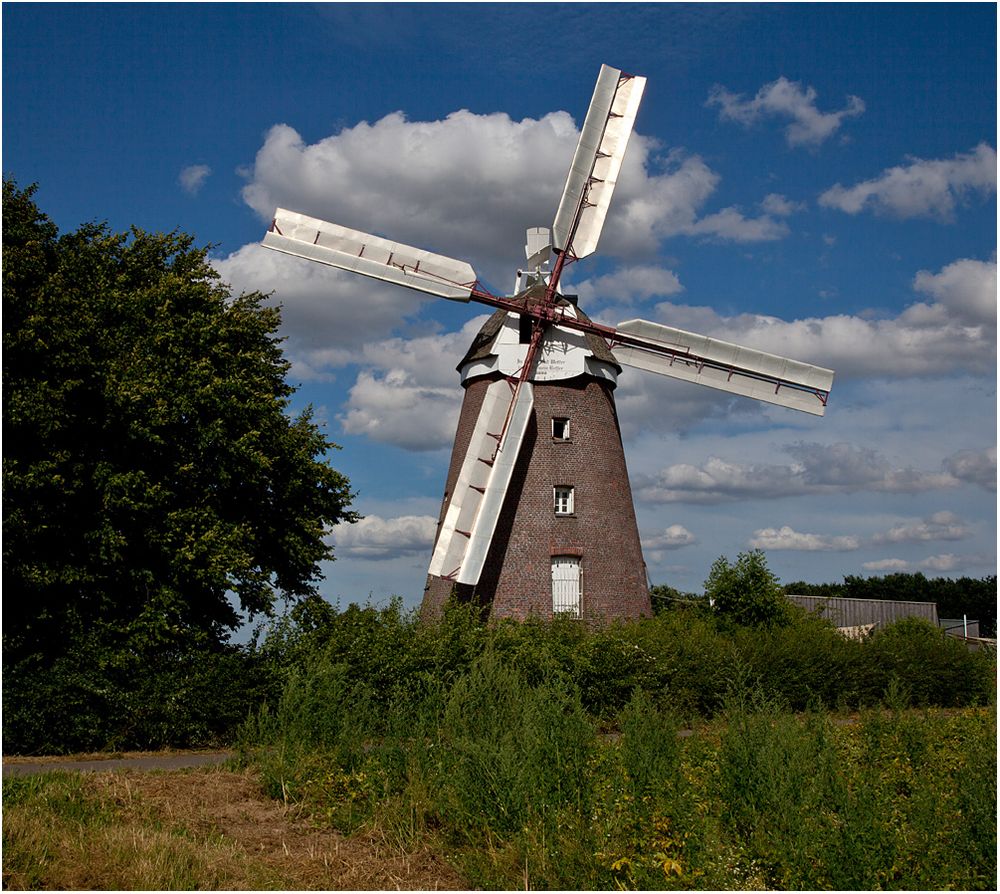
<point>154,481</point>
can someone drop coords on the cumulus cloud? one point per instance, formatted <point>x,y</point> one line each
<point>941,563</point>
<point>375,537</point>
<point>886,565</point>
<point>965,290</point>
<point>467,186</point>
<point>816,469</point>
<point>673,537</point>
<point>635,282</point>
<point>954,332</point>
<point>944,562</point>
<point>977,467</point>
<point>408,392</point>
<point>785,538</point>
<point>785,99</point>
<point>656,547</point>
<point>730,223</point>
<point>939,526</point>
<point>394,408</point>
<point>328,315</point>
<point>777,204</point>
<point>923,188</point>
<point>193,177</point>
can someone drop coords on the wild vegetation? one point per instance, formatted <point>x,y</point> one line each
<point>680,751</point>
<point>551,753</point>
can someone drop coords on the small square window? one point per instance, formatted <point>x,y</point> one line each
<point>563,499</point>
<point>560,428</point>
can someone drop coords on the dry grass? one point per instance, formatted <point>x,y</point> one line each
<point>195,829</point>
<point>57,759</point>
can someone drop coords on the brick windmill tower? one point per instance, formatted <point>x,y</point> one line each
<point>537,517</point>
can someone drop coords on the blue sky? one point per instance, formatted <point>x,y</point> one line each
<point>818,181</point>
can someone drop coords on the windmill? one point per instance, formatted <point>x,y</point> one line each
<point>537,516</point>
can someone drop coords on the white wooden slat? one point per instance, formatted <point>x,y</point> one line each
<point>463,506</point>
<point>593,173</point>
<point>369,255</point>
<point>496,486</point>
<point>738,369</point>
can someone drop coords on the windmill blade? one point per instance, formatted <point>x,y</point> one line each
<point>720,364</point>
<point>598,159</point>
<point>467,530</point>
<point>368,255</point>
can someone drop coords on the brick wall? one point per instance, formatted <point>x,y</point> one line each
<point>602,531</point>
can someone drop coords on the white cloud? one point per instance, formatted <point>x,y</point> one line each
<point>327,314</point>
<point>817,469</point>
<point>408,393</point>
<point>393,408</point>
<point>673,537</point>
<point>375,537</point>
<point>730,223</point>
<point>787,538</point>
<point>974,467</point>
<point>193,177</point>
<point>886,565</point>
<point>955,332</point>
<point>939,526</point>
<point>468,185</point>
<point>777,204</point>
<point>965,290</point>
<point>631,283</point>
<point>785,99</point>
<point>923,188</point>
<point>944,562</point>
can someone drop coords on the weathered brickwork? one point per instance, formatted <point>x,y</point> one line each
<point>602,531</point>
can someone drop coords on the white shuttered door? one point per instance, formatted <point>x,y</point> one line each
<point>566,585</point>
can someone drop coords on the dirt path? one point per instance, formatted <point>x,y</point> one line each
<point>166,760</point>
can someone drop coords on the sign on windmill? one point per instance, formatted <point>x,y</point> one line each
<point>537,516</point>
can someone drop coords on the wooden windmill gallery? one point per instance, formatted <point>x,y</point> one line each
<point>537,516</point>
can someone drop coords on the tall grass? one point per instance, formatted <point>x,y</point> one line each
<point>552,756</point>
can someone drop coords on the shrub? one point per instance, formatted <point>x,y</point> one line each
<point>746,592</point>
<point>926,666</point>
<point>805,663</point>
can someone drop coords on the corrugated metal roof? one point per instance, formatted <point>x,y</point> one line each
<point>855,612</point>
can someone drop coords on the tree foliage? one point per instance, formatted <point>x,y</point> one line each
<point>154,481</point>
<point>746,591</point>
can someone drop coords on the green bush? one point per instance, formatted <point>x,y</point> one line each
<point>101,696</point>
<point>692,660</point>
<point>926,666</point>
<point>746,592</point>
<point>805,663</point>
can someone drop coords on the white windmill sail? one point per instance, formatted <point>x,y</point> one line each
<point>598,159</point>
<point>467,529</point>
<point>726,366</point>
<point>328,243</point>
